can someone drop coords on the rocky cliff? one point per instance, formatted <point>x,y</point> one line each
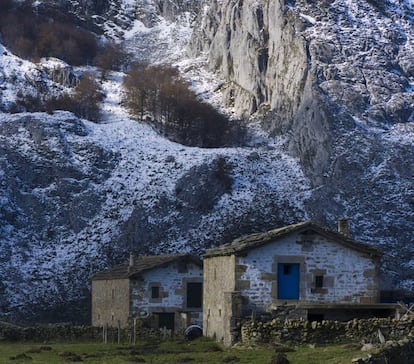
<point>321,67</point>
<point>335,77</point>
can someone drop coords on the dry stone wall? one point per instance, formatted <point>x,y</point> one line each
<point>401,352</point>
<point>301,331</point>
<point>11,333</point>
<point>66,332</point>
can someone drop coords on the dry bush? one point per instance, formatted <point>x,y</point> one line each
<point>83,102</point>
<point>6,5</point>
<point>158,94</point>
<point>110,56</point>
<point>32,36</point>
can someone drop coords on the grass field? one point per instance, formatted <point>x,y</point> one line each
<point>175,351</point>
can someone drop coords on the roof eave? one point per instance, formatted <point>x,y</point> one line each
<point>341,239</point>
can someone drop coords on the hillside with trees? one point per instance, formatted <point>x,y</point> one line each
<point>158,95</point>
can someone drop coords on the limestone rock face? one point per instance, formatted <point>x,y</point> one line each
<point>60,72</point>
<point>114,17</point>
<point>315,65</point>
<point>257,48</point>
<point>352,53</point>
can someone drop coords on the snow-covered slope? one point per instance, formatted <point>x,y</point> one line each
<point>76,196</point>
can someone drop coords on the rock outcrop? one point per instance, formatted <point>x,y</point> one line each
<point>315,65</point>
<point>336,78</point>
<point>59,72</point>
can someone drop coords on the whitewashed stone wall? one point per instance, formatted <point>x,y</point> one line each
<point>349,276</point>
<point>172,282</point>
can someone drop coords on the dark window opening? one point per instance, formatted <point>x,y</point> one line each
<point>194,295</point>
<point>155,292</point>
<point>315,317</point>
<point>286,269</point>
<point>166,319</point>
<point>318,281</point>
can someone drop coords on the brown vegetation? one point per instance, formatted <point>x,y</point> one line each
<point>159,95</point>
<point>83,102</point>
<point>32,36</point>
<point>110,56</point>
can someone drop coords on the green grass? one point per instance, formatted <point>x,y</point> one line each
<point>326,354</point>
<point>203,351</point>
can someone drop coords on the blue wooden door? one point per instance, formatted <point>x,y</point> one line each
<point>288,281</point>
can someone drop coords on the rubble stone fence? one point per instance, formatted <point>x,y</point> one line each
<point>398,352</point>
<point>375,330</point>
<point>67,332</point>
<point>46,333</point>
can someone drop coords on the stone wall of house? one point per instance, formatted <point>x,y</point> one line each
<point>171,282</point>
<point>110,302</point>
<point>219,310</point>
<point>349,276</point>
<point>372,330</point>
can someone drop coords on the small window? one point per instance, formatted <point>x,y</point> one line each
<point>113,293</point>
<point>286,269</point>
<point>194,295</point>
<point>155,292</point>
<point>318,281</point>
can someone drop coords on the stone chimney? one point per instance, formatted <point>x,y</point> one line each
<point>131,260</point>
<point>343,227</point>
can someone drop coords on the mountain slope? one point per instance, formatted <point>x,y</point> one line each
<point>78,196</point>
<point>331,88</point>
<point>338,79</point>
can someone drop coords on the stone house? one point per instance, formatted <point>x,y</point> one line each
<point>302,271</point>
<point>164,290</point>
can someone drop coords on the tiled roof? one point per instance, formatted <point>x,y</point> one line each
<point>143,263</point>
<point>258,239</point>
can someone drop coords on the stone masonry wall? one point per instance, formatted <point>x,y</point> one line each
<point>219,283</point>
<point>172,282</point>
<point>110,302</point>
<point>401,352</point>
<point>349,276</point>
<point>12,333</point>
<point>66,333</point>
<point>302,331</point>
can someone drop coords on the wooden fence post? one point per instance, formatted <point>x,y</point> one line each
<point>135,330</point>
<point>119,332</point>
